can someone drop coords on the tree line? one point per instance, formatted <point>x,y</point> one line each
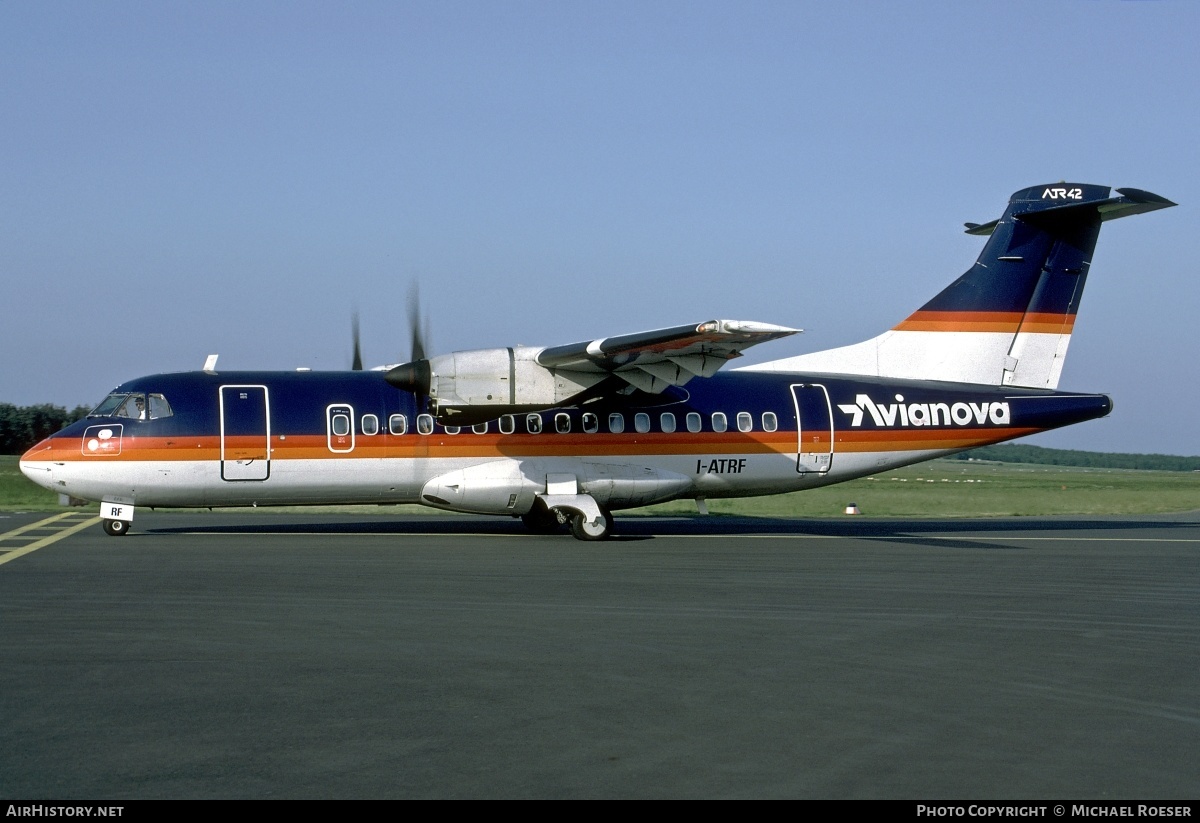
<point>22,427</point>
<point>1016,453</point>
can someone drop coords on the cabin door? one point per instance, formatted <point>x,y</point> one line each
<point>814,428</point>
<point>245,433</point>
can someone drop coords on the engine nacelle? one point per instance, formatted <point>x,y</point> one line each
<point>468,387</point>
<point>498,487</point>
<point>511,487</point>
<point>627,486</point>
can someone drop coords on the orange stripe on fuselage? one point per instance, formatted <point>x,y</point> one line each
<point>924,439</point>
<point>495,446</point>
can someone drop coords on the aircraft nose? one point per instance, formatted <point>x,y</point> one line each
<point>35,465</point>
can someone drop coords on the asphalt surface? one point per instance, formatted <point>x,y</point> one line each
<point>253,655</point>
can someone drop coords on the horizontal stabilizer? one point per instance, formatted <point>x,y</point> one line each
<point>1070,202</point>
<point>982,229</point>
<point>1135,201</point>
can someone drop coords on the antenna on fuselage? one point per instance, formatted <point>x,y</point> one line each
<point>210,364</point>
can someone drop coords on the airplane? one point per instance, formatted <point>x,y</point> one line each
<point>563,436</point>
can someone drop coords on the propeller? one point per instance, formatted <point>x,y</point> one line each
<point>418,329</point>
<point>356,364</point>
<point>415,375</point>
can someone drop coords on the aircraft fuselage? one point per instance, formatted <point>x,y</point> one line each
<point>276,438</point>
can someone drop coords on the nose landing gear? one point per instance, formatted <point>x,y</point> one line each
<point>116,528</point>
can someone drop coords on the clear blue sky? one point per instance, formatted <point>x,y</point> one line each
<point>184,178</point>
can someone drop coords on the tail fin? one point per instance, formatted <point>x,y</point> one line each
<point>1008,319</point>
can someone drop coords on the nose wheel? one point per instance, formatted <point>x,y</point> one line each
<point>116,528</point>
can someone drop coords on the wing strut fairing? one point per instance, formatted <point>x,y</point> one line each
<point>473,386</point>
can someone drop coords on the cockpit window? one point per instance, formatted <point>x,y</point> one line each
<point>133,407</point>
<point>109,405</point>
<point>159,407</point>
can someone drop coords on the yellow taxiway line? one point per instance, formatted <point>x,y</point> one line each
<point>45,541</point>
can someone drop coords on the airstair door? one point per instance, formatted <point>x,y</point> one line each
<point>245,433</point>
<point>814,428</point>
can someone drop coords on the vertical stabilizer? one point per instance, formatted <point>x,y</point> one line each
<point>1008,319</point>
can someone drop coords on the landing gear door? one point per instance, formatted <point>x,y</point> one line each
<point>814,428</point>
<point>245,433</point>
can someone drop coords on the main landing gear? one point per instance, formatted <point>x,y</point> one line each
<point>543,520</point>
<point>582,529</point>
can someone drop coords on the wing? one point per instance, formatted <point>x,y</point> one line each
<point>653,360</point>
<point>467,387</point>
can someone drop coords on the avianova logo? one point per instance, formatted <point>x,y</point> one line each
<point>925,414</point>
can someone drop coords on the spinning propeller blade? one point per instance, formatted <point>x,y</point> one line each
<point>356,364</point>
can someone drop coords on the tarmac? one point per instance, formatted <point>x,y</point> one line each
<point>260,655</point>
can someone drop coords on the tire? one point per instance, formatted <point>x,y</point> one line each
<point>116,528</point>
<point>581,529</point>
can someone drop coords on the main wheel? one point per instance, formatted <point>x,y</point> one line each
<point>584,530</point>
<point>116,528</point>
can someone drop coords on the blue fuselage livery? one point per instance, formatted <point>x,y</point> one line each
<point>569,434</point>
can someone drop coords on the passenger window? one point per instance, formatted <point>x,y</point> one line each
<point>370,424</point>
<point>480,428</point>
<point>616,423</point>
<point>770,423</point>
<point>341,424</point>
<point>508,424</point>
<point>693,422</point>
<point>398,424</point>
<point>533,423</point>
<point>159,407</point>
<point>667,422</point>
<point>641,422</point>
<point>425,424</point>
<point>719,422</point>
<point>591,423</point>
<point>745,422</point>
<point>451,429</point>
<point>562,423</point>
